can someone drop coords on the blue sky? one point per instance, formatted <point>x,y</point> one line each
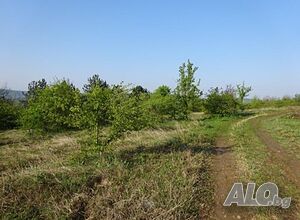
<point>144,42</point>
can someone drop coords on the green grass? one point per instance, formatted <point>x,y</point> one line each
<point>286,130</point>
<point>256,164</point>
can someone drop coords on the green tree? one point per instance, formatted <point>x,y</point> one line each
<point>162,103</point>
<point>9,114</point>
<point>93,82</point>
<point>35,87</point>
<point>95,109</point>
<point>163,90</point>
<point>219,102</point>
<point>139,90</point>
<point>243,91</point>
<point>187,89</point>
<point>53,108</point>
<point>127,112</point>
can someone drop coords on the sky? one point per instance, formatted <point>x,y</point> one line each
<point>144,42</point>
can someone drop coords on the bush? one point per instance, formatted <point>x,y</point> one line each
<point>53,108</point>
<point>297,98</point>
<point>95,109</point>
<point>163,107</point>
<point>9,114</point>
<point>273,102</point>
<point>162,104</point>
<point>127,112</point>
<point>222,103</point>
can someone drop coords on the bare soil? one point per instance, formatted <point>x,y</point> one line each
<point>225,170</point>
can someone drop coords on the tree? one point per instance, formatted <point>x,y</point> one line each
<point>139,90</point>
<point>230,90</point>
<point>219,102</point>
<point>162,103</point>
<point>35,87</point>
<point>9,111</point>
<point>243,91</point>
<point>187,89</point>
<point>53,108</point>
<point>95,109</point>
<point>9,114</point>
<point>127,112</point>
<point>94,81</point>
<point>163,90</point>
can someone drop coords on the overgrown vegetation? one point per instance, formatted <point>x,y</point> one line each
<point>60,106</point>
<point>9,114</point>
<point>161,173</point>
<point>123,152</point>
<point>219,102</point>
<point>273,102</point>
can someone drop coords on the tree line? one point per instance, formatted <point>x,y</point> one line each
<point>121,108</point>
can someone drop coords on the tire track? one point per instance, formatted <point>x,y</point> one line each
<point>291,165</point>
<point>225,172</point>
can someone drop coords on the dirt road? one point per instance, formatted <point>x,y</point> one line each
<point>290,163</point>
<point>226,170</point>
<point>225,176</point>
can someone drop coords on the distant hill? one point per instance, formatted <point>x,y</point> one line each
<point>13,94</point>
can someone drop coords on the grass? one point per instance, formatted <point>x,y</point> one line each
<point>257,164</point>
<point>286,130</point>
<point>161,173</point>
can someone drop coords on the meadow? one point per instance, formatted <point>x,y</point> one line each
<point>119,152</point>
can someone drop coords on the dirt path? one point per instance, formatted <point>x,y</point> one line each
<point>225,175</point>
<point>291,164</point>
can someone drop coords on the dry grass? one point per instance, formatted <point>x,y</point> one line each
<point>161,173</point>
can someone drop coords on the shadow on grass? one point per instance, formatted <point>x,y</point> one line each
<point>246,113</point>
<point>131,157</point>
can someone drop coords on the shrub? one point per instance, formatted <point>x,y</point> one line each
<point>222,103</point>
<point>162,103</point>
<point>273,102</point>
<point>297,98</point>
<point>53,108</point>
<point>95,108</point>
<point>9,114</point>
<point>127,112</point>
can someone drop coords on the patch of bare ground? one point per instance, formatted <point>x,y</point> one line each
<point>225,172</point>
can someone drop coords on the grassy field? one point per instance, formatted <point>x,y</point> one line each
<point>159,173</point>
<point>168,172</point>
